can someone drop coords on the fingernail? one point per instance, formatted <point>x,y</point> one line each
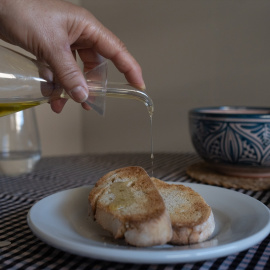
<point>79,94</point>
<point>143,87</point>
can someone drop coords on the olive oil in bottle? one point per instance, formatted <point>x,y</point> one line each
<point>15,106</point>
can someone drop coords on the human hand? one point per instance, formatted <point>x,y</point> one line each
<point>53,30</point>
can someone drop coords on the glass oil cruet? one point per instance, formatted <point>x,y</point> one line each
<point>26,82</point>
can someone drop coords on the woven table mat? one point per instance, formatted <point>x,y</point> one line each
<point>26,251</point>
<point>204,173</point>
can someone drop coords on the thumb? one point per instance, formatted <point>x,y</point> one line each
<point>68,74</point>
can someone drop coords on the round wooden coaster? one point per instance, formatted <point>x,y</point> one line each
<point>203,172</point>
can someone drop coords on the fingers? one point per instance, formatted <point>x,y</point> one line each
<point>109,46</point>
<point>58,105</point>
<point>86,106</point>
<point>101,40</point>
<point>69,74</point>
<point>131,69</point>
<point>90,59</point>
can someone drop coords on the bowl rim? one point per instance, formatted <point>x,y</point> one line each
<point>223,111</point>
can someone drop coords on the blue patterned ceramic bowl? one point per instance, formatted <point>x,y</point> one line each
<point>234,140</point>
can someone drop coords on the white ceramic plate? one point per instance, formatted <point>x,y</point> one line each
<point>62,221</point>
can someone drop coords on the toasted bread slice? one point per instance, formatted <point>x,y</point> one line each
<point>127,203</point>
<point>191,217</point>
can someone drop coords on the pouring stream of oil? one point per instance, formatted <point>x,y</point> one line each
<point>141,96</point>
<point>152,144</point>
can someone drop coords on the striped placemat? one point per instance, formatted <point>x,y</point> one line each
<point>26,251</point>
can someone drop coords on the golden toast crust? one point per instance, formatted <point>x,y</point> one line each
<point>192,204</point>
<point>138,180</point>
<point>191,217</point>
<point>127,203</point>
